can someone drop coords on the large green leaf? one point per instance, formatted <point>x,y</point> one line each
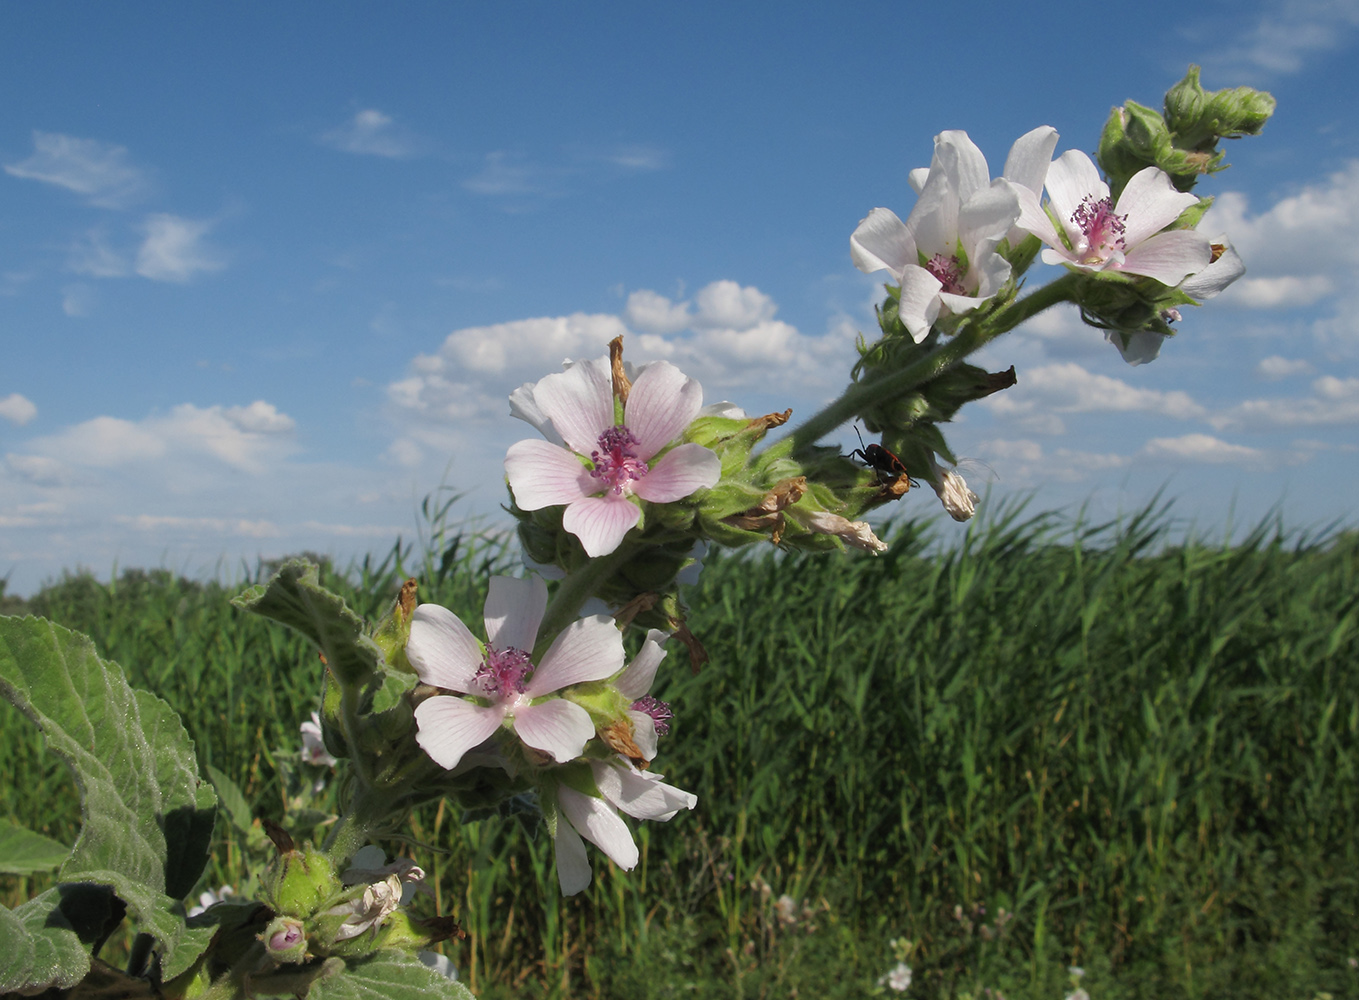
<point>47,941</point>
<point>294,597</point>
<point>23,852</point>
<point>147,815</point>
<point>389,975</point>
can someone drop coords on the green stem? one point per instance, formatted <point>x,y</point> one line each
<point>574,591</point>
<point>367,812</point>
<point>861,395</point>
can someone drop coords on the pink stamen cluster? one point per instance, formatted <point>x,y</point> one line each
<point>949,272</point>
<point>659,711</point>
<point>504,672</point>
<point>1101,226</point>
<point>616,463</point>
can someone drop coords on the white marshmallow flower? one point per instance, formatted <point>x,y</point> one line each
<point>650,717</point>
<point>594,464</point>
<point>944,255</point>
<point>589,808</point>
<point>1098,235</point>
<point>496,684</point>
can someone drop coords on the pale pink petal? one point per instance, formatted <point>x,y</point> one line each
<point>1217,275</point>
<point>934,219</point>
<point>1071,179</point>
<point>524,406</point>
<point>573,867</point>
<point>643,733</point>
<point>639,793</point>
<point>1033,219</point>
<point>919,304</point>
<point>545,475</point>
<point>1149,203</point>
<point>600,825</point>
<point>589,649</point>
<point>514,609</point>
<point>449,727</point>
<point>917,178</point>
<point>1139,347</point>
<point>442,650</point>
<point>579,402</point>
<point>963,161</point>
<point>557,726</point>
<point>636,680</point>
<point>679,473</point>
<point>1029,159</point>
<point>1170,256</point>
<point>662,403</point>
<point>601,522</point>
<point>882,241</point>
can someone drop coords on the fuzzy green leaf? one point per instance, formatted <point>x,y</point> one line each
<point>48,940</point>
<point>148,817</point>
<point>295,597</point>
<point>388,975</point>
<point>23,852</point>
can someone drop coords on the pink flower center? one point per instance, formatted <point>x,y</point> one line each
<point>1103,230</point>
<point>949,272</point>
<point>658,710</point>
<point>504,673</point>
<point>616,461</point>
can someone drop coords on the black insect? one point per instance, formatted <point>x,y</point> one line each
<point>882,461</point>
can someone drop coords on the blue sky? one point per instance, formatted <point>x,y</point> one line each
<point>267,272</point>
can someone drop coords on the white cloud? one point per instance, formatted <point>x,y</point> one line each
<point>173,249</point>
<point>1285,37</point>
<point>1288,291</point>
<point>93,256</point>
<point>371,133</point>
<point>1276,367</point>
<point>75,300</point>
<point>1334,401</point>
<point>1023,463</point>
<point>38,469</point>
<point>1069,388</point>
<point>650,312</point>
<point>1201,448</point>
<point>638,157</point>
<point>499,176</point>
<point>726,305</point>
<point>100,172</point>
<point>17,409</point>
<point>243,438</point>
<point>159,523</point>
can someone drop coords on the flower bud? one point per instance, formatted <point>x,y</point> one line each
<point>298,882</point>
<point>285,940</point>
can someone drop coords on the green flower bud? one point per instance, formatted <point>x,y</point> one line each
<point>285,940</point>
<point>393,631</point>
<point>298,882</point>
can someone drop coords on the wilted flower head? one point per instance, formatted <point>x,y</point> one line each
<point>496,683</point>
<point>595,465</point>
<point>314,745</point>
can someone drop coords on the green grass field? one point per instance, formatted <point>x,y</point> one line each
<point>1037,746</point>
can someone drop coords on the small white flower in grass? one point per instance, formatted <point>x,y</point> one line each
<point>211,898</point>
<point>496,684</point>
<point>594,465</point>
<point>313,745</point>
<point>944,255</point>
<point>589,808</point>
<point>1098,235</point>
<point>899,979</point>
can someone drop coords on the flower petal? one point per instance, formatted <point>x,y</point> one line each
<point>637,678</point>
<point>1033,219</point>
<point>643,733</point>
<point>449,727</point>
<point>545,475</point>
<point>882,242</point>
<point>601,522</point>
<point>679,473</point>
<point>557,726</point>
<point>1150,202</point>
<point>963,161</point>
<point>525,406</point>
<point>1217,275</point>
<point>639,793</point>
<point>1169,256</point>
<point>573,866</point>
<point>589,649</point>
<point>600,825</point>
<point>579,402</point>
<point>442,650</point>
<point>1071,179</point>
<point>1029,159</point>
<point>919,303</point>
<point>1138,347</point>
<point>662,403</point>
<point>514,610</point>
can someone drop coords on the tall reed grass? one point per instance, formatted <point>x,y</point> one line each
<point>1038,745</point>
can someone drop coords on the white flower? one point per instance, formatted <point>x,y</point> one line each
<point>313,745</point>
<point>594,465</point>
<point>899,979</point>
<point>497,684</point>
<point>618,786</point>
<point>1098,235</point>
<point>944,255</point>
<point>210,898</point>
